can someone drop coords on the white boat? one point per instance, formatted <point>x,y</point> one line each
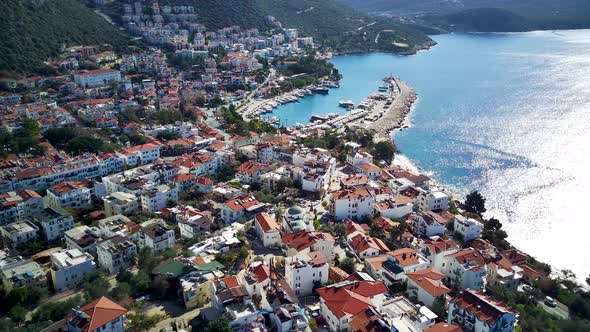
<point>346,103</point>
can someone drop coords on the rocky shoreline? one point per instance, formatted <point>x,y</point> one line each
<point>397,112</point>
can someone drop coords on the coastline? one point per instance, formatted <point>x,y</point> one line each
<point>397,113</point>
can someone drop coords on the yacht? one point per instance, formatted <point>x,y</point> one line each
<point>346,103</point>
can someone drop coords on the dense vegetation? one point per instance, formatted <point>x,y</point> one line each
<point>329,22</point>
<point>32,31</point>
<point>486,15</point>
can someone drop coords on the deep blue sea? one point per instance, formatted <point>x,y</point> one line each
<point>507,114</point>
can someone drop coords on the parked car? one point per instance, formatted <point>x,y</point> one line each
<point>550,302</point>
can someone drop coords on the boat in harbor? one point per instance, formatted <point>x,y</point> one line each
<point>322,90</point>
<point>346,104</point>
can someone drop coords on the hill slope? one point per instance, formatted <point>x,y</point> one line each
<point>538,14</point>
<point>328,21</point>
<point>32,31</point>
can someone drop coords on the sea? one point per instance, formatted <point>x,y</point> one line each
<point>507,114</point>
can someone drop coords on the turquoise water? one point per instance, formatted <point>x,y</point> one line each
<point>508,114</point>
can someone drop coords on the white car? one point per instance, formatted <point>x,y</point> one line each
<point>550,302</point>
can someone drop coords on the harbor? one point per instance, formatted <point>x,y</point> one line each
<point>382,111</point>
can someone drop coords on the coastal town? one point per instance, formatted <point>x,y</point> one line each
<point>151,189</point>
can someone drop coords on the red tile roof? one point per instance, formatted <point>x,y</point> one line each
<point>354,193</point>
<point>430,280</point>
<point>99,312</point>
<point>267,222</point>
<point>484,307</point>
<point>351,297</point>
<point>305,239</point>
<point>444,327</point>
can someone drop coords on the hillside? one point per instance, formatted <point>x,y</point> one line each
<point>328,21</point>
<point>537,14</point>
<point>33,30</point>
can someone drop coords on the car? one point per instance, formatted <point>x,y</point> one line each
<point>550,302</point>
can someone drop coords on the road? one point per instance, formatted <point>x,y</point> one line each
<point>560,311</point>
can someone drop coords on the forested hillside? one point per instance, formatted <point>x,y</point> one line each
<point>536,14</point>
<point>328,21</point>
<point>33,30</point>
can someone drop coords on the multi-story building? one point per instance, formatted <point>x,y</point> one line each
<point>306,271</point>
<point>475,311</point>
<point>117,225</point>
<point>116,254</point>
<point>101,315</point>
<point>402,261</point>
<point>83,238</point>
<point>237,208</point>
<point>468,228</point>
<point>465,269</point>
<point>54,222</point>
<point>120,203</point>
<point>341,301</point>
<point>426,286</point>
<point>19,233</point>
<point>355,203</point>
<point>73,195</point>
<point>156,235</point>
<point>250,172</point>
<point>432,201</point>
<point>436,250</point>
<point>20,273</point>
<point>157,198</point>
<point>69,268</point>
<point>19,205</point>
<point>98,77</point>
<point>308,241</point>
<point>141,154</point>
<point>429,224</point>
<point>268,230</point>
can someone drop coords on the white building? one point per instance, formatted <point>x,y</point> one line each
<point>308,241</point>
<point>429,224</point>
<point>141,154</point>
<point>397,207</point>
<point>425,286</point>
<point>69,267</point>
<point>469,229</point>
<point>401,262</point>
<point>99,77</point>
<point>19,273</point>
<point>120,203</point>
<point>73,195</point>
<point>466,269</point>
<point>306,271</point>
<point>268,230</point>
<point>19,205</point>
<point>436,251</point>
<point>193,222</point>
<point>491,315</point>
<point>19,233</point>
<point>116,254</point>
<point>355,203</point>
<point>100,315</point>
<point>156,235</point>
<point>157,198</point>
<point>432,201</point>
<point>54,222</point>
<point>341,301</point>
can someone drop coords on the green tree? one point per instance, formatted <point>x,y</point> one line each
<point>475,203</point>
<point>348,265</point>
<point>384,150</point>
<point>18,314</point>
<point>95,285</point>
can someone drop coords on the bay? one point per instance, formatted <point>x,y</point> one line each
<point>506,114</point>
